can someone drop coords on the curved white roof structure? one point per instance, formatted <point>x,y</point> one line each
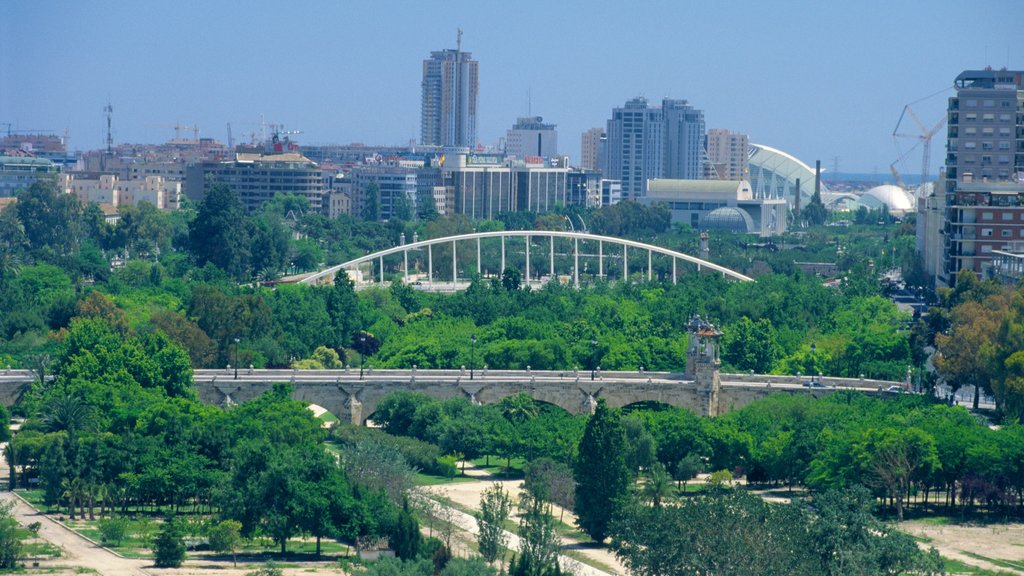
<point>896,199</point>
<point>773,174</point>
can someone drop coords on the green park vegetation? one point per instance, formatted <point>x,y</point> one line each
<point>112,318</point>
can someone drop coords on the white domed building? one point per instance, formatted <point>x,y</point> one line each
<point>898,201</point>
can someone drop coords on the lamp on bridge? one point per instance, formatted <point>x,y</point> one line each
<point>237,340</point>
<point>362,346</point>
<point>814,361</point>
<point>472,354</point>
<point>593,357</point>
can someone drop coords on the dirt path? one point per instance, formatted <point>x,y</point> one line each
<point>467,496</point>
<point>997,542</point>
<point>75,550</point>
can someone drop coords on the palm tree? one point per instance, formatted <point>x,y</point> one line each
<point>67,413</point>
<point>519,408</point>
<point>658,486</point>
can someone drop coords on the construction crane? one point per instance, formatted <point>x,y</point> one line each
<point>178,127</point>
<point>923,138</point>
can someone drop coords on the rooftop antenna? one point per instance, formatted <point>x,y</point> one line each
<point>109,111</point>
<point>458,41</point>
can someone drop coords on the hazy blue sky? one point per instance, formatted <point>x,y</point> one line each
<point>818,79</point>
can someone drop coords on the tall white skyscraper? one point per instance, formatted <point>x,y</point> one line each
<point>449,105</point>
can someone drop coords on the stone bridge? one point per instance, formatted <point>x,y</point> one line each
<point>354,397</point>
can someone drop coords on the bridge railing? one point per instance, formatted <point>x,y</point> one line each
<point>830,381</point>
<point>374,374</point>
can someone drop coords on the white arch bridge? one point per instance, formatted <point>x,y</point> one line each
<point>515,250</point>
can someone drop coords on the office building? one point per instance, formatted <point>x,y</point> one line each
<point>984,185</point>
<point>530,136</point>
<point>647,142</point>
<point>20,172</point>
<point>584,188</point>
<point>396,190</point>
<point>485,185</point>
<point>449,99</point>
<point>115,191</point>
<point>256,178</point>
<point>611,192</point>
<point>728,153</point>
<point>590,148</point>
<point>721,205</point>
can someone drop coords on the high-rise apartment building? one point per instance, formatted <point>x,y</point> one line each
<point>590,148</point>
<point>984,204</point>
<point>729,153</point>
<point>448,109</point>
<point>530,136</point>
<point>647,142</point>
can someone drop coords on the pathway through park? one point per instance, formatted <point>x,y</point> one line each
<point>75,550</point>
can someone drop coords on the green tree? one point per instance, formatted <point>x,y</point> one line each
<point>538,541</point>
<point>495,506</point>
<point>815,213</point>
<point>511,279</point>
<point>401,207</point>
<point>892,458</point>
<point>113,530</point>
<point>405,536</point>
<point>658,486</point>
<point>226,537</point>
<point>50,219</point>
<point>641,449</point>
<point>749,345</point>
<point>219,234</point>
<point>10,539</point>
<point>371,204</point>
<point>687,469</point>
<point>169,545</point>
<point>601,475</point>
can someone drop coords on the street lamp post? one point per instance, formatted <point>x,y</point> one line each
<point>593,357</point>
<point>236,357</point>
<point>813,360</point>
<point>362,346</point>
<point>472,354</point>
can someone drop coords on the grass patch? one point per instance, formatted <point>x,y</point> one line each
<point>421,479</point>
<point>501,468</point>
<point>33,496</point>
<point>998,562</point>
<point>957,567</point>
<point>583,559</point>
<point>936,520</point>
<point>40,550</point>
<point>329,418</point>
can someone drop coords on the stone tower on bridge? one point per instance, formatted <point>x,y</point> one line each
<point>703,363</point>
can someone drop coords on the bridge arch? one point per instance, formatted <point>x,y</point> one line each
<point>327,276</point>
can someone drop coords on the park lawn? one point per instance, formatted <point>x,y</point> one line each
<point>421,479</point>
<point>138,536</point>
<point>957,567</point>
<point>997,561</point>
<point>500,467</point>
<point>34,548</point>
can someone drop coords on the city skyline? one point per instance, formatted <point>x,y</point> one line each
<point>817,82</point>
